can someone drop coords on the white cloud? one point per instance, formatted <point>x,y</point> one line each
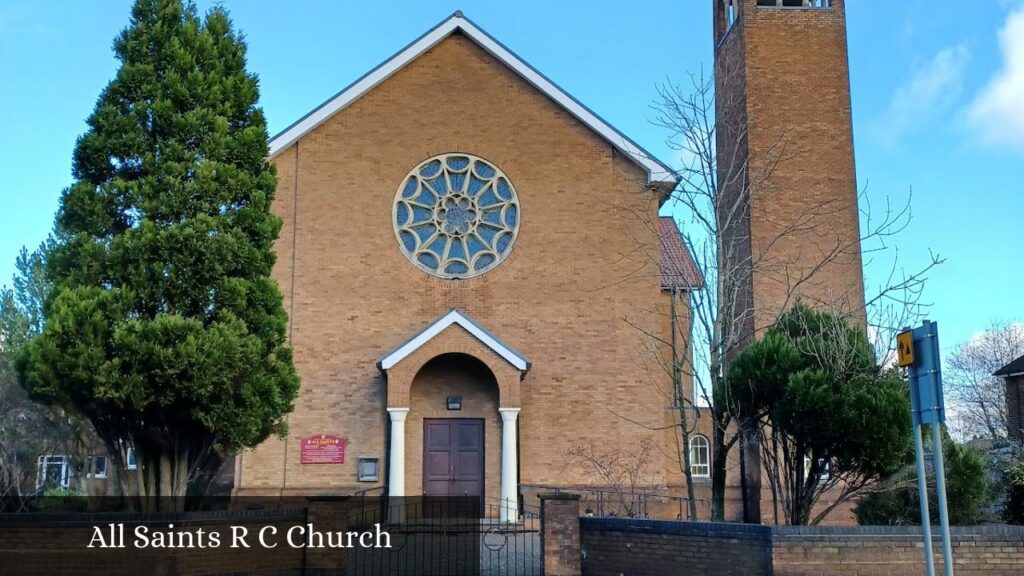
<point>935,86</point>
<point>997,114</point>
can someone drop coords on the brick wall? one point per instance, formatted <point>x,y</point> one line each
<point>1015,408</point>
<point>614,547</point>
<point>56,545</point>
<point>894,551</point>
<point>627,547</point>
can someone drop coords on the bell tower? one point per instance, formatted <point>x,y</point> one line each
<point>785,151</point>
<point>789,215</point>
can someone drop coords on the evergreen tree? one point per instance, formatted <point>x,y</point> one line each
<point>828,416</point>
<point>28,429</point>
<point>162,324</point>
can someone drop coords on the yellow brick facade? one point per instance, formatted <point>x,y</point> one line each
<point>783,95</point>
<point>582,264</point>
<point>785,140</point>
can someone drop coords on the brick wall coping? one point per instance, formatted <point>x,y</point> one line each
<point>204,517</point>
<point>676,527</point>
<point>329,498</point>
<point>558,496</point>
<point>792,532</point>
<point>890,531</point>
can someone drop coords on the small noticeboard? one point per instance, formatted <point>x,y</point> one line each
<point>323,449</point>
<point>905,348</point>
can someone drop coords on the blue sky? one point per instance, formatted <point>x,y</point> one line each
<point>938,101</point>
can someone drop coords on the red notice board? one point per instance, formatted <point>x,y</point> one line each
<point>323,449</point>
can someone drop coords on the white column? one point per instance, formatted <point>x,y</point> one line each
<point>509,465</point>
<point>396,461</point>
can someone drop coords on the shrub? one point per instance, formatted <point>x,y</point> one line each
<point>967,493</point>
<point>1013,513</point>
<point>57,499</point>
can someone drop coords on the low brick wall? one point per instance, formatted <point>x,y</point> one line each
<point>625,547</point>
<point>616,547</point>
<point>894,551</point>
<point>56,544</point>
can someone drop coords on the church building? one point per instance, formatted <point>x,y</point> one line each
<point>475,266</point>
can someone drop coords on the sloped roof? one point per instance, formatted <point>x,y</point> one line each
<point>678,270</point>
<point>657,173</point>
<point>453,316</point>
<point>1012,369</point>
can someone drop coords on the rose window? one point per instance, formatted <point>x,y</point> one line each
<point>456,216</point>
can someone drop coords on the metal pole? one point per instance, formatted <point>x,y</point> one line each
<point>922,488</point>
<point>940,489</point>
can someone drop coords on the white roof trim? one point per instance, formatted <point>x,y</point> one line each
<point>454,316</point>
<point>657,172</point>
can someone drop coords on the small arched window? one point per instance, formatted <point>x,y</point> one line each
<point>700,457</point>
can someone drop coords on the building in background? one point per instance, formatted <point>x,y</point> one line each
<point>1013,375</point>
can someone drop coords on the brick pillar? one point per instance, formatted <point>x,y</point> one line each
<point>326,514</point>
<point>560,533</point>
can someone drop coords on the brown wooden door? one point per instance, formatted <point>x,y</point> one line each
<point>453,457</point>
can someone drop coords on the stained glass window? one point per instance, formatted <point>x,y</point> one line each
<point>456,216</point>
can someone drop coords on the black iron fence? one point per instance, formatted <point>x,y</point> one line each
<point>440,536</point>
<point>636,503</point>
<point>357,535</point>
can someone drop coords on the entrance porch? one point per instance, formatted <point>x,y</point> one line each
<point>453,398</point>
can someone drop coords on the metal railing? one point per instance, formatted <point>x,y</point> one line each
<point>436,535</point>
<point>651,504</point>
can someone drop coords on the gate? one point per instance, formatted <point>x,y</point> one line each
<point>446,537</point>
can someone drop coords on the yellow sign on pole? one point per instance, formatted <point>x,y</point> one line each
<point>905,348</point>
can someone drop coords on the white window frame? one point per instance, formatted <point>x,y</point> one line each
<point>65,471</point>
<point>367,478</point>
<point>94,468</point>
<point>732,13</point>
<point>702,470</point>
<point>826,472</point>
<point>700,399</point>
<point>130,462</point>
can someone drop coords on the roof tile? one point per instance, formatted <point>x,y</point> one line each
<point>678,269</point>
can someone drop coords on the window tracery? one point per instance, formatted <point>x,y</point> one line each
<point>456,216</point>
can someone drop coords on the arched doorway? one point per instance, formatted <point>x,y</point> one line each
<point>454,430</point>
<point>453,356</point>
